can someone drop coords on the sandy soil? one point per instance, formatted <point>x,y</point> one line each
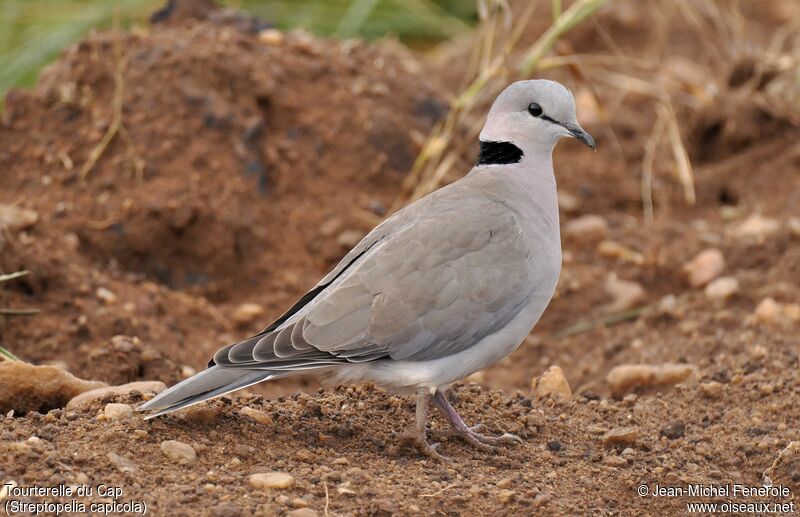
<point>249,164</point>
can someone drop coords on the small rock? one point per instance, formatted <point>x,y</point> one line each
<point>271,480</point>
<point>758,352</point>
<point>90,396</point>
<point>613,460</point>
<point>596,429</point>
<point>674,430</point>
<point>722,288</point>
<point>624,293</point>
<point>122,463</point>
<point>705,267</point>
<point>302,512</point>
<point>226,510</point>
<point>183,453</point>
<point>624,378</point>
<point>117,411</point>
<point>506,496</point>
<point>794,226</point>
<point>757,228</point>
<point>554,445</point>
<point>568,203</point>
<point>272,37</point>
<point>345,489</point>
<point>247,313</point>
<point>254,414</point>
<point>587,228</point>
<point>504,483</point>
<point>14,218</point>
<point>712,390</point>
<point>106,295</point>
<point>202,414</point>
<point>349,238</point>
<point>621,436</point>
<point>616,250</point>
<point>553,382</point>
<point>479,377</point>
<point>769,311</point>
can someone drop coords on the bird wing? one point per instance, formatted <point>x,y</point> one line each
<point>427,283</point>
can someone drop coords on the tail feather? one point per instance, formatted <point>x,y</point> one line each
<point>210,383</point>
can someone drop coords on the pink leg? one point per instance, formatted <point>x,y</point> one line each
<point>470,434</point>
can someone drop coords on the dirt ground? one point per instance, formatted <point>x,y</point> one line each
<point>247,164</point>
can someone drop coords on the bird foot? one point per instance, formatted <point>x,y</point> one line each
<point>419,441</point>
<point>473,437</point>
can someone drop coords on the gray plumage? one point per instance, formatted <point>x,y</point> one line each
<point>445,287</point>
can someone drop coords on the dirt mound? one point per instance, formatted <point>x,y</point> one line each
<point>244,165</point>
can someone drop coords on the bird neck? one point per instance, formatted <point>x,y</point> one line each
<point>498,153</point>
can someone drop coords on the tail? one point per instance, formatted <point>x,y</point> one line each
<point>210,383</point>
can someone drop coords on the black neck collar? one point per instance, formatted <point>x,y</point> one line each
<point>499,153</point>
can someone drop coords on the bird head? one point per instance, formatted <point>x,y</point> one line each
<point>533,115</point>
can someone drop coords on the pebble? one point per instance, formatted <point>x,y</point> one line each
<point>14,218</point>
<point>621,436</point>
<point>568,203</point>
<point>226,510</point>
<point>272,37</point>
<point>712,390</point>
<point>624,378</point>
<point>90,396</point>
<point>705,267</point>
<point>616,250</point>
<point>588,228</point>
<point>122,463</point>
<point>624,293</point>
<point>271,480</point>
<point>117,411</point>
<point>504,483</point>
<point>674,430</point>
<point>757,228</point>
<point>247,313</point>
<point>552,382</point>
<point>769,311</point>
<point>106,295</point>
<point>349,238</point>
<point>613,460</point>
<point>254,414</point>
<point>722,288</point>
<point>506,496</point>
<point>554,445</point>
<point>202,414</point>
<point>302,512</point>
<point>183,453</point>
<point>794,226</point>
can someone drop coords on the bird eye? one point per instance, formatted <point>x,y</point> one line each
<point>535,110</point>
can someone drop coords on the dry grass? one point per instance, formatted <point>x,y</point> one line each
<point>494,62</point>
<point>721,29</point>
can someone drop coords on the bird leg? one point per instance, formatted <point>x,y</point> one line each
<point>417,434</point>
<point>469,434</point>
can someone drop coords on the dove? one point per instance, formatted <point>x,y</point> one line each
<point>447,286</point>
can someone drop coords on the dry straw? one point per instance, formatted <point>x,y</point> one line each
<point>490,68</point>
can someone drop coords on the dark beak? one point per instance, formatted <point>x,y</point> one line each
<point>582,135</point>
